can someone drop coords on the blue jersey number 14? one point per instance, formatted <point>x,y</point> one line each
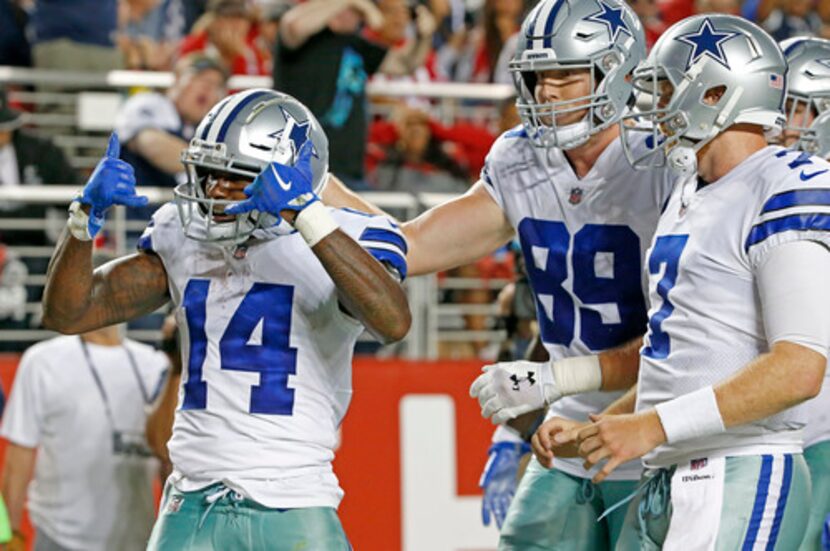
<point>267,304</point>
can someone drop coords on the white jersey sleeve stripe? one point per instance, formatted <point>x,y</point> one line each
<point>798,222</point>
<point>372,236</point>
<point>797,197</point>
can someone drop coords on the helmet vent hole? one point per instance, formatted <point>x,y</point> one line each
<point>713,95</point>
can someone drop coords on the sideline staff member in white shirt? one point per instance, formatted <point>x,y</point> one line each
<point>80,403</point>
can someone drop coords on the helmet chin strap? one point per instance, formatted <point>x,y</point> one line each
<point>573,135</point>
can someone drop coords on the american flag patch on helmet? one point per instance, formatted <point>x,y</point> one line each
<point>776,81</point>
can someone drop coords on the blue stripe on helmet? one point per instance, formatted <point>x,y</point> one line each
<point>232,115</point>
<point>548,34</point>
<point>208,126</point>
<point>793,46</point>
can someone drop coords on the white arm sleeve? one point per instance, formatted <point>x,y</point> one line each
<point>795,294</point>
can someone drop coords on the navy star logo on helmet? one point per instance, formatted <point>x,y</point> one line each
<point>612,18</point>
<point>707,41</point>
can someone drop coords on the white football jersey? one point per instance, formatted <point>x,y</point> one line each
<point>705,321</point>
<point>267,354</point>
<point>583,241</point>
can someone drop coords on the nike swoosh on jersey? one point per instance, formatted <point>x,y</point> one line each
<point>804,177</point>
<point>283,185</point>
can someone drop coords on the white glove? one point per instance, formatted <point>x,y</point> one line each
<point>508,389</point>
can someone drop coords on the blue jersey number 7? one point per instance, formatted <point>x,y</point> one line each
<point>667,250</point>
<point>273,358</point>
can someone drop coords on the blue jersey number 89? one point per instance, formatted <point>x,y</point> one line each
<point>545,245</point>
<point>266,303</point>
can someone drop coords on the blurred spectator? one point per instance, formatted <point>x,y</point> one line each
<point>416,161</point>
<point>672,11</point>
<point>151,32</point>
<point>649,13</point>
<point>270,14</point>
<point>482,53</point>
<point>193,10</point>
<point>732,7</point>
<point>75,427</point>
<point>155,128</point>
<point>14,46</point>
<point>323,61</point>
<point>790,18</point>
<point>75,35</point>
<point>13,296</point>
<point>227,32</point>
<point>408,50</point>
<point>28,160</point>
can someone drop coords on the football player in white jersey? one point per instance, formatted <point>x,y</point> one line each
<point>272,290</point>
<point>584,218</point>
<point>808,129</point>
<point>740,307</point>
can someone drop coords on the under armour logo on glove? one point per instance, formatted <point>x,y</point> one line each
<point>280,187</point>
<point>516,379</point>
<point>508,389</point>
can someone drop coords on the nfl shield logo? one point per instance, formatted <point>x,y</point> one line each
<point>697,464</point>
<point>576,196</point>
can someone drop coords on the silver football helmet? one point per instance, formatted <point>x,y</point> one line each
<point>239,137</point>
<point>698,58</point>
<point>603,36</point>
<point>808,88</point>
<point>816,139</point>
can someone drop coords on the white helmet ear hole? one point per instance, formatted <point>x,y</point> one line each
<point>713,95</point>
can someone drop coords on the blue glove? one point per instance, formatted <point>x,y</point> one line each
<point>280,187</point>
<point>112,183</point>
<point>499,479</point>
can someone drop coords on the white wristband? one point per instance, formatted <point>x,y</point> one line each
<point>577,375</point>
<point>692,415</point>
<point>78,222</point>
<point>314,223</point>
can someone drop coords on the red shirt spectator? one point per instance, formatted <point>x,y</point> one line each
<point>229,35</point>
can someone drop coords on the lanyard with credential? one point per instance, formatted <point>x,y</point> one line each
<point>100,384</point>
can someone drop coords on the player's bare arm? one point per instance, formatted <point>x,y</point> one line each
<point>77,299</point>
<point>365,287</point>
<point>457,232</point>
<point>780,379</point>
<point>336,194</point>
<point>508,390</point>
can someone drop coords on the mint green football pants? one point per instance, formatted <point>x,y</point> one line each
<point>818,461</point>
<point>553,510</point>
<point>766,500</point>
<point>189,521</point>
